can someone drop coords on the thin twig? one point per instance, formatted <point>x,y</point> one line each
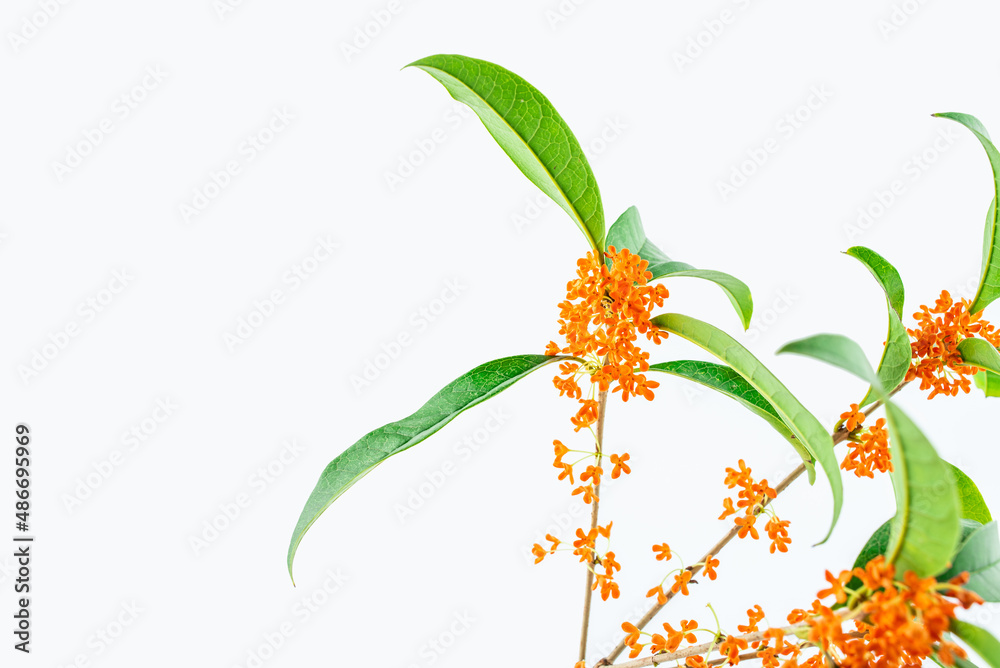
<point>602,402</point>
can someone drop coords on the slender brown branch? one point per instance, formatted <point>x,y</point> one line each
<point>839,436</point>
<point>602,402</point>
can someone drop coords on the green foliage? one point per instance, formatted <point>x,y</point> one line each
<point>836,350</point>
<point>927,524</point>
<point>724,379</point>
<point>979,554</point>
<point>470,389</point>
<point>530,131</point>
<point>971,499</point>
<point>979,640</point>
<point>980,353</point>
<point>988,382</point>
<point>896,354</point>
<point>989,281</point>
<point>627,232</point>
<point>806,428</point>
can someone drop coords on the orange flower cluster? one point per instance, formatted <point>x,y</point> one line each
<point>896,623</point>
<point>604,312</point>
<point>658,643</point>
<point>870,452</point>
<point>682,577</point>
<point>751,499</point>
<point>936,360</point>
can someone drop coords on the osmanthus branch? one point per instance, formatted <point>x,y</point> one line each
<point>705,648</point>
<point>838,436</point>
<point>602,402</point>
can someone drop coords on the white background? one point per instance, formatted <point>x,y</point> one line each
<point>672,132</point>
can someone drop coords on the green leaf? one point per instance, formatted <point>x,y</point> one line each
<point>724,379</point>
<point>979,353</point>
<point>886,275</point>
<point>988,382</point>
<point>837,350</point>
<point>530,131</point>
<point>971,499</point>
<point>979,640</point>
<point>979,554</point>
<point>927,524</point>
<point>806,428</point>
<point>989,281</point>
<point>475,387</point>
<point>876,546</point>
<point>627,232</point>
<point>896,354</point>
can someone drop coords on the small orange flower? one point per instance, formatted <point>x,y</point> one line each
<point>633,633</point>
<point>620,465</point>
<point>566,472</point>
<point>746,525</point>
<point>539,552</point>
<point>662,552</point>
<point>657,591</point>
<point>586,416</point>
<point>684,633</point>
<point>681,582</point>
<point>710,565</point>
<point>836,588</point>
<point>592,472</point>
<point>727,505</point>
<point>755,615</point>
<point>588,493</point>
<point>852,418</point>
<point>734,477</point>
<point>657,644</point>
<point>605,531</point>
<point>731,648</point>
<point>560,451</point>
<point>696,662</point>
<point>609,563</point>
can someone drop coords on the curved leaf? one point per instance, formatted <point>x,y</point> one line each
<point>896,354</point>
<point>627,232</point>
<point>723,379</point>
<point>474,387</point>
<point>979,554</point>
<point>989,281</point>
<point>980,353</point>
<point>927,524</point>
<point>837,350</point>
<point>806,428</point>
<point>979,640</point>
<point>971,499</point>
<point>988,382</point>
<point>530,131</point>
<point>886,275</point>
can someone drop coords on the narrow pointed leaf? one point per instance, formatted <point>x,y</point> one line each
<point>837,350</point>
<point>806,428</point>
<point>971,499</point>
<point>627,232</point>
<point>472,388</point>
<point>530,131</point>
<point>980,353</point>
<point>979,640</point>
<point>989,281</point>
<point>979,555</point>
<point>897,353</point>
<point>722,378</point>
<point>927,525</point>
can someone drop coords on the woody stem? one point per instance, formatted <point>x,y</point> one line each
<point>602,402</point>
<point>838,436</point>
